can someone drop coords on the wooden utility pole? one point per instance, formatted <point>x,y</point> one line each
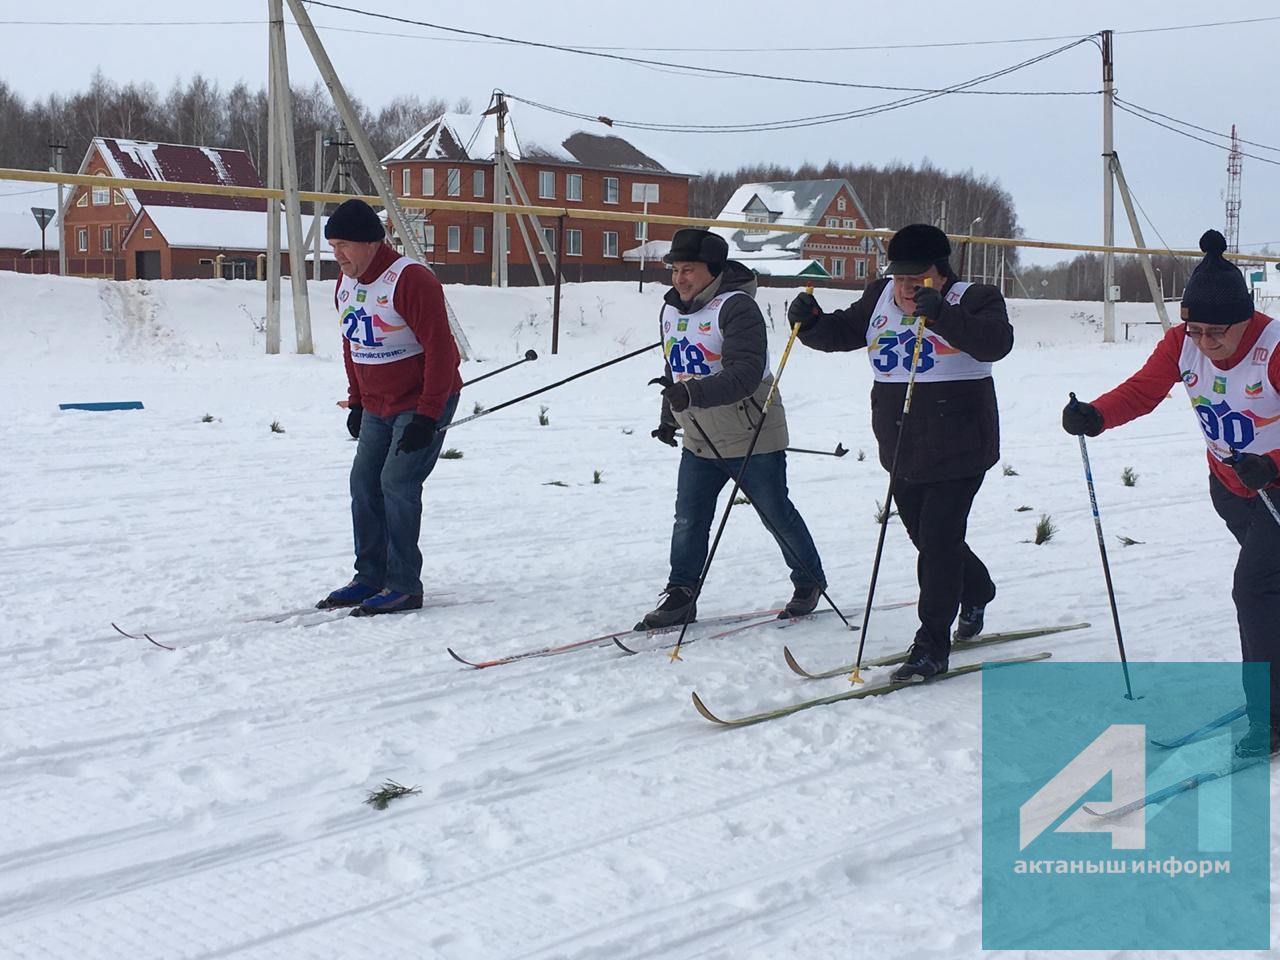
<point>371,161</point>
<point>1108,194</point>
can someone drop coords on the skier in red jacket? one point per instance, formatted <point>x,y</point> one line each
<point>402,388</point>
<point>1227,356</point>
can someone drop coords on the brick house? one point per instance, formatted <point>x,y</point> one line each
<point>560,164</point>
<point>128,234</point>
<point>850,262</point>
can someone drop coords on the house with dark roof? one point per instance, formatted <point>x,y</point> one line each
<point>849,261</point>
<point>128,234</point>
<point>560,162</point>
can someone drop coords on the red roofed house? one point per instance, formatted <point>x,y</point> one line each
<point>561,163</point>
<point>128,234</point>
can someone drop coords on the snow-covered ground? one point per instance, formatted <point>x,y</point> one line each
<point>207,802</point>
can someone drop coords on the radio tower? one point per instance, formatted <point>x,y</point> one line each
<point>1234,163</point>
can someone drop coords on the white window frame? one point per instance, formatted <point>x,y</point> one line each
<point>117,198</point>
<point>477,183</point>
<point>573,186</point>
<point>833,222</point>
<point>837,268</point>
<point>840,204</point>
<point>428,182</point>
<point>611,190</point>
<point>549,235</point>
<point>546,184</point>
<point>101,195</point>
<point>820,262</point>
<point>477,239</point>
<point>610,239</point>
<point>850,224</point>
<point>406,182</point>
<point>146,233</point>
<point>124,229</point>
<point>82,240</point>
<point>455,239</point>
<point>429,237</point>
<point>83,201</point>
<point>760,218</point>
<point>860,269</point>
<point>573,243</point>
<point>454,182</point>
<point>642,231</point>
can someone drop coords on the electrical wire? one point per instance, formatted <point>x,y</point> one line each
<point>1225,136</point>
<point>1192,136</point>
<point>711,71</point>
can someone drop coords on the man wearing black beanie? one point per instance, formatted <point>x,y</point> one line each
<point>950,438</point>
<point>716,380</point>
<point>1227,355</point>
<point>402,387</point>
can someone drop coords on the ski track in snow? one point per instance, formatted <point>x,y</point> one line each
<point>206,802</point>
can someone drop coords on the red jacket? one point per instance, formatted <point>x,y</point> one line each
<point>1142,392</point>
<point>423,383</point>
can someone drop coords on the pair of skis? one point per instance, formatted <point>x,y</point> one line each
<point>888,686</point>
<point>1186,783</point>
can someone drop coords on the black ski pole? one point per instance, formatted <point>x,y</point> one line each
<point>737,484</point>
<point>839,451</point>
<point>1102,549</point>
<point>856,676</point>
<point>551,386</point>
<point>528,355</point>
<point>768,525</point>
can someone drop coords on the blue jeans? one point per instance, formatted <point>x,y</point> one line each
<point>386,501</point>
<point>765,484</point>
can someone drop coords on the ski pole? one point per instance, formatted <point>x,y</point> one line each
<point>528,355</point>
<point>768,525</point>
<point>1271,507</point>
<point>839,451</point>
<point>550,386</point>
<point>1102,549</point>
<point>737,484</point>
<point>856,676</point>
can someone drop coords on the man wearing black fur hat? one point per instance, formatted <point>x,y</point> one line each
<point>951,437</point>
<point>717,379</point>
<point>402,387</point>
<point>1227,356</point>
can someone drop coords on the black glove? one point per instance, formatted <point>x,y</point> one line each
<point>1081,418</point>
<point>666,432</point>
<point>1254,470</point>
<point>418,434</point>
<point>804,310</point>
<point>676,394</point>
<point>928,303</point>
<point>353,421</point>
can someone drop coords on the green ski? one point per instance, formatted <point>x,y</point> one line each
<point>871,690</point>
<point>982,640</point>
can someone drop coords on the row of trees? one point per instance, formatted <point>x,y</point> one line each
<point>1080,278</point>
<point>197,112</point>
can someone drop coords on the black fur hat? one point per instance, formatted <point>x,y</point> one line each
<point>915,248</point>
<point>699,246</point>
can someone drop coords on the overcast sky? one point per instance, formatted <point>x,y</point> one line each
<point>1044,150</point>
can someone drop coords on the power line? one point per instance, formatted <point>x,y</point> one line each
<point>641,61</point>
<point>1224,136</point>
<point>797,122</point>
<point>1192,136</point>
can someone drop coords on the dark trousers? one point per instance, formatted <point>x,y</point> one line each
<point>386,501</point>
<point>765,483</point>
<point>1256,592</point>
<point>936,516</point>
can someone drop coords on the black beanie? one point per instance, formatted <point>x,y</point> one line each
<point>915,248</point>
<point>699,246</point>
<point>1216,292</point>
<point>355,220</point>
